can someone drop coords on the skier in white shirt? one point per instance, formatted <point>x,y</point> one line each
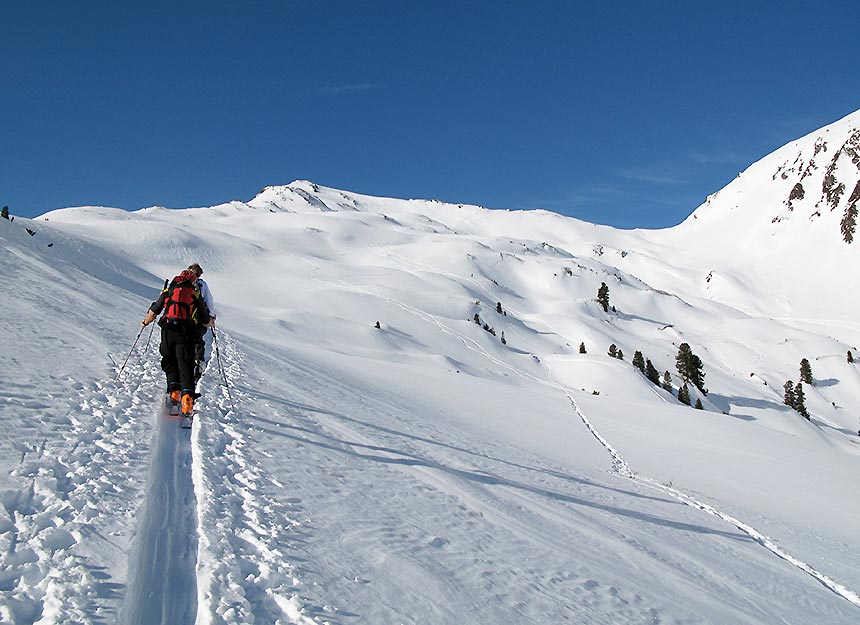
<point>206,294</point>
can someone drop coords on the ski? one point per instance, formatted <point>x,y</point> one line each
<point>172,407</point>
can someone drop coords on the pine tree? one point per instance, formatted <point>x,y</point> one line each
<point>697,375</point>
<point>499,308</point>
<point>806,372</point>
<point>476,319</point>
<point>603,296</point>
<point>613,350</point>
<point>850,357</point>
<point>620,354</point>
<point>639,361</point>
<point>682,361</point>
<point>789,398</point>
<point>503,339</point>
<point>699,405</point>
<point>800,400</point>
<point>582,348</point>
<point>651,372</point>
<point>689,367</point>
<point>667,381</point>
<point>5,212</point>
<point>684,395</point>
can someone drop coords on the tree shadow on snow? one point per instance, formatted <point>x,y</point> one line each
<point>727,402</point>
<point>297,406</point>
<point>392,456</point>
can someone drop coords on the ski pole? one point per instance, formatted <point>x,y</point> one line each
<point>125,362</point>
<point>149,338</point>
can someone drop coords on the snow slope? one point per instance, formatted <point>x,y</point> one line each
<point>424,471</point>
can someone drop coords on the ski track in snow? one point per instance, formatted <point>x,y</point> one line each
<point>161,583</point>
<point>199,542</point>
<point>619,464</point>
<point>621,467</point>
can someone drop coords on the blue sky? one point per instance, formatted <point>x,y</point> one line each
<point>624,113</point>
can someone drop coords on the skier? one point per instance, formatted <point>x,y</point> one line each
<point>185,311</point>
<point>200,351</point>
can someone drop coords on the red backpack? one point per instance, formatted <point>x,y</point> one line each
<point>180,305</point>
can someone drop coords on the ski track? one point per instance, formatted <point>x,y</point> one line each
<point>619,464</point>
<point>621,467</point>
<point>161,582</point>
<point>181,515</point>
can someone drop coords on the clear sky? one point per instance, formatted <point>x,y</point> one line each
<point>625,113</point>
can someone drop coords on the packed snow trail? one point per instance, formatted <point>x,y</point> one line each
<point>161,580</point>
<point>207,547</point>
<point>621,467</point>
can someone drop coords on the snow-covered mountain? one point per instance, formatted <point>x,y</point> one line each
<point>380,455</point>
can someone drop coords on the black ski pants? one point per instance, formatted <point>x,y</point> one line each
<point>178,349</point>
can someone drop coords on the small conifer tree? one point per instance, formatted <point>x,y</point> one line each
<point>499,308</point>
<point>850,357</point>
<point>682,361</point>
<point>806,372</point>
<point>690,367</point>
<point>613,350</point>
<point>788,397</point>
<point>582,348</point>
<point>684,394</point>
<point>800,400</point>
<point>5,213</point>
<point>697,374</point>
<point>699,405</point>
<point>620,354</point>
<point>639,361</point>
<point>667,381</point>
<point>603,296</point>
<point>477,319</point>
<point>503,339</point>
<point>651,372</point>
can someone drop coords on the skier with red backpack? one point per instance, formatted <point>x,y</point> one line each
<point>185,313</point>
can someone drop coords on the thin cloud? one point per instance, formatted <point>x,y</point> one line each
<point>347,88</point>
<point>653,176</point>
<point>584,198</point>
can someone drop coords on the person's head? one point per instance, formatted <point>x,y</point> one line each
<point>197,269</point>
